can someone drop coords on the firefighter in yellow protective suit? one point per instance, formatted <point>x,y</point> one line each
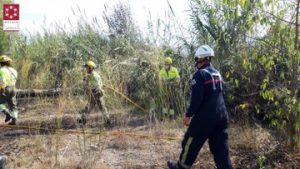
<point>8,78</point>
<point>171,80</point>
<point>95,93</point>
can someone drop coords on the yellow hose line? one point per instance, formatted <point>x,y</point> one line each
<point>97,133</point>
<point>127,98</point>
<point>115,133</point>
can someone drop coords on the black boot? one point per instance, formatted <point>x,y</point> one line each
<point>174,165</point>
<point>7,118</point>
<point>13,121</point>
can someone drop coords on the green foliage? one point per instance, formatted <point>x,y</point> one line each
<point>126,63</point>
<point>262,68</point>
<point>3,42</point>
<point>227,23</point>
<point>261,161</point>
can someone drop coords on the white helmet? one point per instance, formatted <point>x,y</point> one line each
<point>204,51</point>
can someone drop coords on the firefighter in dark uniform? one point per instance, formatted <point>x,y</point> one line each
<point>206,117</point>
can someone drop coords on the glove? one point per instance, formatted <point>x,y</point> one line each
<point>186,121</point>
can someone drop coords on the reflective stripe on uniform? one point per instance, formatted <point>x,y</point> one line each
<point>213,81</point>
<point>186,150</point>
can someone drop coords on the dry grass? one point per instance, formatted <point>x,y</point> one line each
<point>134,142</point>
<point>111,151</point>
<point>256,137</point>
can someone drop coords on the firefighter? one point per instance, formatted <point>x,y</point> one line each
<point>95,93</point>
<point>206,117</point>
<point>171,79</point>
<point>8,78</point>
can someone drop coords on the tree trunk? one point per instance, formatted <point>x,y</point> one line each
<point>294,83</point>
<point>21,93</point>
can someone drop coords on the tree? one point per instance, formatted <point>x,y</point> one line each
<point>225,24</point>
<point>281,81</point>
<point>262,68</point>
<point>294,115</point>
<point>120,21</point>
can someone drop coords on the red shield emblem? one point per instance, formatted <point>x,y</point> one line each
<point>11,11</point>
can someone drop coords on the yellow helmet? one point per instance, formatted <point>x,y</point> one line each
<point>90,64</point>
<point>4,58</point>
<point>168,60</point>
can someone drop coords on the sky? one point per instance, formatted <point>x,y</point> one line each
<point>36,14</point>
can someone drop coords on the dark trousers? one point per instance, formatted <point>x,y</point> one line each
<point>198,132</point>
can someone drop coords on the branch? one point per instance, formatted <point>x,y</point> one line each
<point>274,16</point>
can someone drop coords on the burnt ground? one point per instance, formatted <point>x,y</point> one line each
<point>48,136</point>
